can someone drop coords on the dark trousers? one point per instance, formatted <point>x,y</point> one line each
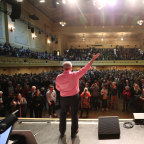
<point>95,103</point>
<point>125,104</point>
<point>104,103</point>
<point>66,102</point>
<point>38,112</point>
<point>84,109</point>
<point>52,108</point>
<point>31,108</point>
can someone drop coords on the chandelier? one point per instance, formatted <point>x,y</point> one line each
<point>62,23</point>
<point>140,22</point>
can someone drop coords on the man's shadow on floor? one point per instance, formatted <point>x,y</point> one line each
<point>75,140</point>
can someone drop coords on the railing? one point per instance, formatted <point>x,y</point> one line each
<point>20,62</point>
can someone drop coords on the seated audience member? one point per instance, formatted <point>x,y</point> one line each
<point>114,96</point>
<point>104,94</point>
<point>20,104</point>
<point>51,99</point>
<point>2,109</point>
<point>126,98</point>
<point>142,100</point>
<point>137,101</point>
<point>38,104</point>
<point>85,102</point>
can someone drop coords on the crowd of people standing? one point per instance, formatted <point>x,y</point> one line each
<point>99,90</point>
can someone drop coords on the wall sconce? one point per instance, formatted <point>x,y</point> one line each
<point>11,28</point>
<point>48,41</point>
<point>33,36</point>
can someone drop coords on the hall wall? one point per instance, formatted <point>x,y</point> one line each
<point>107,43</point>
<point>13,70</point>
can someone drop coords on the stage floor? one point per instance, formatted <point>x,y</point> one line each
<point>47,132</point>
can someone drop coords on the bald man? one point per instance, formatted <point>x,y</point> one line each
<point>68,85</point>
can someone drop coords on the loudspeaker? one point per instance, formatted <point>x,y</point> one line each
<point>16,11</point>
<point>32,29</point>
<point>108,128</point>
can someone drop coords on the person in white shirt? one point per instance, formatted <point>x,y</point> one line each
<point>51,99</point>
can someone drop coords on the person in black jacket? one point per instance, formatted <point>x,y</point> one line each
<point>30,97</point>
<point>38,103</point>
<point>137,101</point>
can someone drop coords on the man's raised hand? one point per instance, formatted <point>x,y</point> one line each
<point>95,56</point>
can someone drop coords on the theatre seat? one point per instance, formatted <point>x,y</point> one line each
<point>22,137</point>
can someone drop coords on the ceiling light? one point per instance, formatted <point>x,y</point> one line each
<point>64,1</point>
<point>19,0</point>
<point>99,3</point>
<point>140,22</point>
<point>112,2</point>
<point>122,38</point>
<point>42,1</point>
<point>72,1</point>
<point>62,23</point>
<point>57,3</point>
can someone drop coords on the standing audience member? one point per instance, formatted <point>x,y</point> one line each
<point>114,97</point>
<point>85,102</point>
<point>2,109</point>
<point>126,98</point>
<point>38,104</point>
<point>137,100</point>
<point>142,100</point>
<point>32,94</point>
<point>95,101</point>
<point>20,103</point>
<point>51,99</point>
<point>104,93</point>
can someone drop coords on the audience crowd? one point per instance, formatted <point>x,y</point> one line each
<point>8,50</point>
<point>74,54</point>
<point>118,53</point>
<point>99,90</point>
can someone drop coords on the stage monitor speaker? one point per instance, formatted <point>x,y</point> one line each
<point>16,11</point>
<point>108,127</point>
<point>139,118</point>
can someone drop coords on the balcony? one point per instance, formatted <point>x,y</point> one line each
<point>27,62</point>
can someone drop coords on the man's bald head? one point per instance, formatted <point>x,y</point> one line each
<point>67,65</point>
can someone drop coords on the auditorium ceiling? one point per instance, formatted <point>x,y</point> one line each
<point>84,13</point>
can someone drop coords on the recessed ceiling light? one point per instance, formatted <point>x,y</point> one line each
<point>19,0</point>
<point>42,1</point>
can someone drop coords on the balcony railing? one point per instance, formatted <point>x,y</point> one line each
<point>20,62</point>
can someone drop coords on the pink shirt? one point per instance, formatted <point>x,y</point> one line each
<point>68,82</point>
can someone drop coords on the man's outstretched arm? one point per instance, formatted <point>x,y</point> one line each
<point>83,70</point>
